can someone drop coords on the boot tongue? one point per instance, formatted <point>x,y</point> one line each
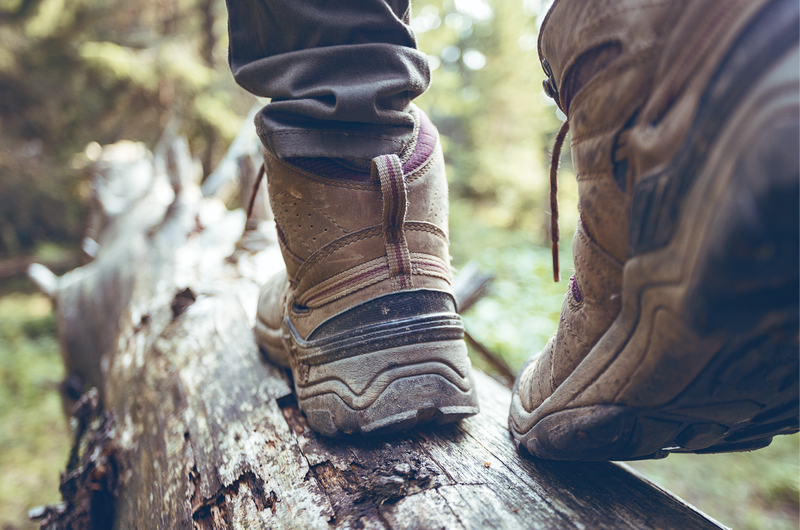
<point>359,170</point>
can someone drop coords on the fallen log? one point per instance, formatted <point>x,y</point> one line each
<point>192,428</point>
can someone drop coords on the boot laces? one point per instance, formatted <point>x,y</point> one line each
<point>256,185</point>
<point>555,233</point>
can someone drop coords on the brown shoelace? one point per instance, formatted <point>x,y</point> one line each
<point>555,233</point>
<point>256,185</point>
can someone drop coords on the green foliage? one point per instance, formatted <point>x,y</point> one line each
<point>521,312</point>
<point>748,491</point>
<point>487,100</point>
<point>34,440</point>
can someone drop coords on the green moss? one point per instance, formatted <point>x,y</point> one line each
<point>748,491</point>
<point>34,438</point>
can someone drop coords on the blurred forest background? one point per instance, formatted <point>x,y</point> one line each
<point>78,74</point>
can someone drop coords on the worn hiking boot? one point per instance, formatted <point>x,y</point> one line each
<point>679,330</point>
<point>364,314</point>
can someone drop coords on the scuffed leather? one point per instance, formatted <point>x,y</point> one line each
<point>602,107</point>
<point>598,112</point>
<point>329,226</point>
<point>582,323</point>
<point>705,34</point>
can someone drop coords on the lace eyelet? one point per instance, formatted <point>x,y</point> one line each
<point>298,309</point>
<point>546,67</point>
<point>547,85</point>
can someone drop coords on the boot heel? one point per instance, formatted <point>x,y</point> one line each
<point>388,390</point>
<point>384,365</point>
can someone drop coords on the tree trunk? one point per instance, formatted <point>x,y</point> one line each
<point>192,428</point>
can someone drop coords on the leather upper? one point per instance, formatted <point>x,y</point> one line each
<point>629,74</point>
<point>602,104</point>
<point>705,34</point>
<point>601,57</point>
<point>333,232</point>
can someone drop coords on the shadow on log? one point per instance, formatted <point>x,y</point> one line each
<point>198,431</point>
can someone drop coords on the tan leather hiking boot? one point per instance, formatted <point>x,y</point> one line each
<point>679,330</point>
<point>364,314</point>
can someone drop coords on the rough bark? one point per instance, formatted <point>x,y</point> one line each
<point>195,429</point>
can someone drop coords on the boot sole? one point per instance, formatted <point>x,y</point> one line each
<point>704,354</point>
<point>369,374</point>
<point>397,398</point>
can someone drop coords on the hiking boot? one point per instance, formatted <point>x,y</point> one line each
<point>679,330</point>
<point>364,313</point>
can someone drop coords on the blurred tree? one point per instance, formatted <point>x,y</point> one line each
<point>100,71</point>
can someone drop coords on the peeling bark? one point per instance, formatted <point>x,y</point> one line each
<point>89,485</point>
<point>201,432</point>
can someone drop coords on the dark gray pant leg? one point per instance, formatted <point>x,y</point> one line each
<point>341,74</point>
